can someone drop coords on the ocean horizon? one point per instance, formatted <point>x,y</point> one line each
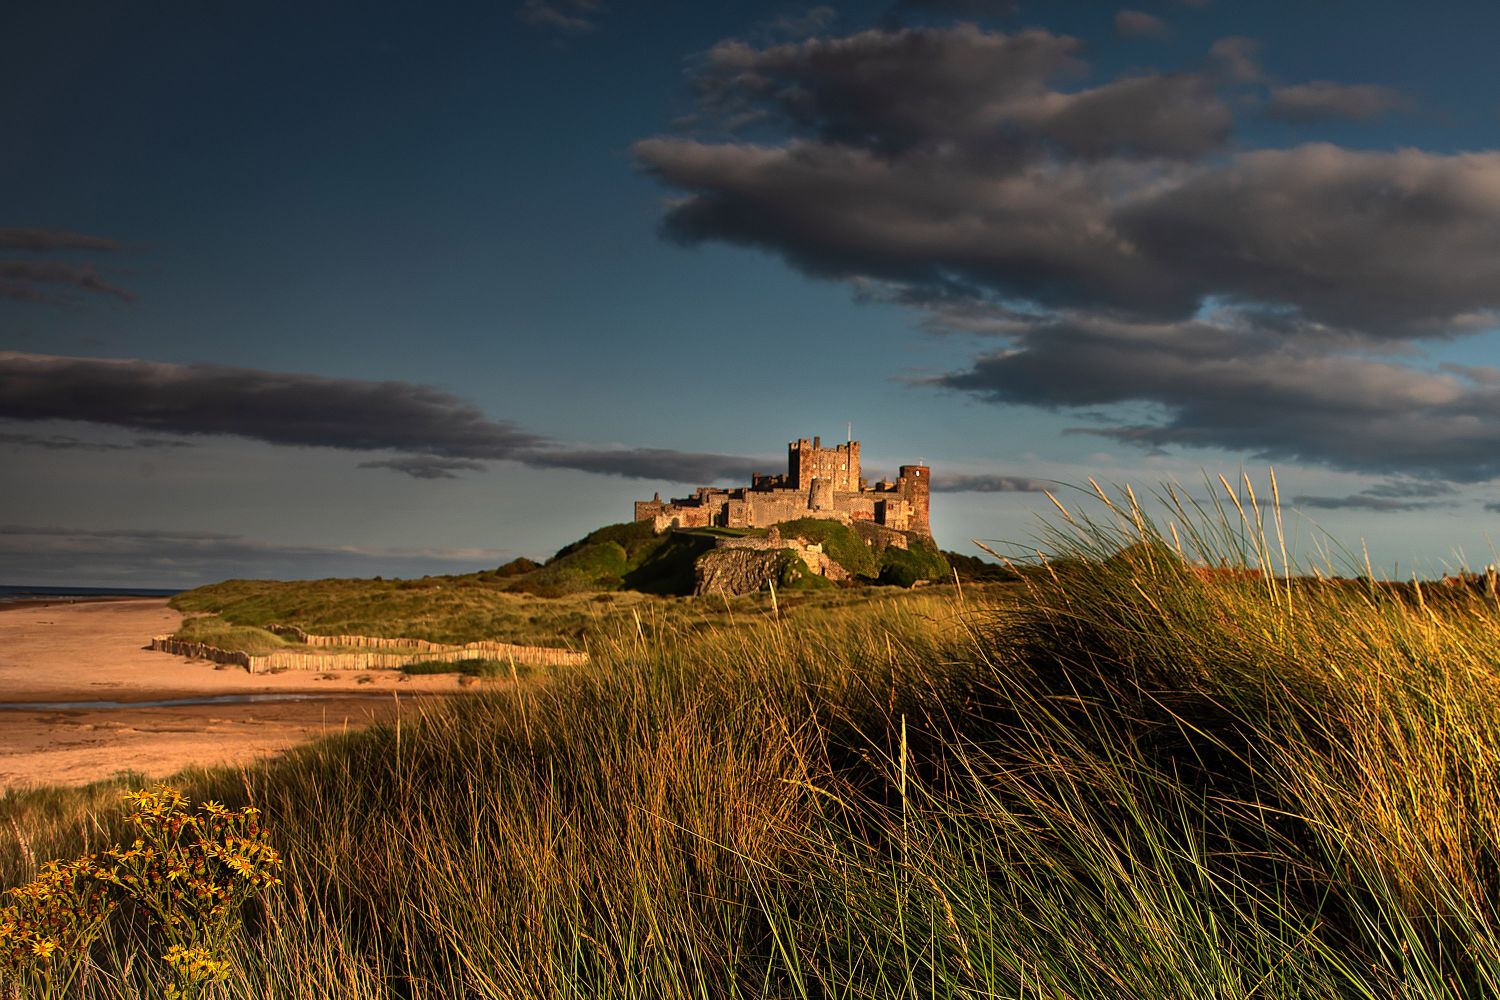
<point>21,592</point>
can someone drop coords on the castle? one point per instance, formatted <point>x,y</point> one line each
<point>819,482</point>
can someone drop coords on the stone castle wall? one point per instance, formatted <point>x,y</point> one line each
<point>819,482</point>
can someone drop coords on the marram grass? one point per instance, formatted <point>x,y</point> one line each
<point>1140,778</point>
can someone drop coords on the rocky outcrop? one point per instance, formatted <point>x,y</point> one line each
<point>745,565</point>
<point>735,571</point>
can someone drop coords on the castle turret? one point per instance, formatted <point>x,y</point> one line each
<point>915,486</point>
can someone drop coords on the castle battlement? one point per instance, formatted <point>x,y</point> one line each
<point>819,482</point>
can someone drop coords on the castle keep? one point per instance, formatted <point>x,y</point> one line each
<point>819,482</point>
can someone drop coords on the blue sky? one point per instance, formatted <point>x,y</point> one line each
<point>379,289</point>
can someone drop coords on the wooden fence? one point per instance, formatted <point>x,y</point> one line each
<point>387,654</point>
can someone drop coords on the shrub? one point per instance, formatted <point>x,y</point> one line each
<point>905,567</point>
<point>519,566</point>
<point>475,667</point>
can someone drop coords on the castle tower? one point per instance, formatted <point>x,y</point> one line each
<point>820,494</point>
<point>809,460</point>
<point>915,486</point>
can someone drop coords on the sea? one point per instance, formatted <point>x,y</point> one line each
<point>25,593</point>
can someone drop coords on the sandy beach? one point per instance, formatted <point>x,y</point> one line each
<point>55,655</point>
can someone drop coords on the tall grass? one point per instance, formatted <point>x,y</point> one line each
<point>1141,779</point>
<point>462,609</point>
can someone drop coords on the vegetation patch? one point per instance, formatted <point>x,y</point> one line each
<point>459,609</point>
<point>591,567</point>
<point>839,541</point>
<point>519,566</point>
<point>669,568</point>
<point>921,561</point>
<point>1139,777</point>
<point>215,631</point>
<point>635,538</point>
<point>474,667</point>
<point>972,569</point>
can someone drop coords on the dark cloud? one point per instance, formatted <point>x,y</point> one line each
<point>26,280</point>
<point>1322,100</point>
<point>989,484</point>
<point>835,212</point>
<point>1397,495</point>
<point>1235,59</point>
<point>426,466</point>
<point>274,407</point>
<point>58,442</point>
<point>963,90</point>
<point>1139,24</point>
<point>49,281</point>
<point>1232,384</point>
<point>650,463</point>
<point>1178,115</point>
<point>41,240</point>
<point>65,442</point>
<point>1364,501</point>
<point>1406,489</point>
<point>1264,301</point>
<point>436,433</point>
<point>43,555</point>
<point>571,16</point>
<point>1394,245</point>
<point>1400,244</point>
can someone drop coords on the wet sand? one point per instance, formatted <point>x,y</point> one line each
<point>92,651</point>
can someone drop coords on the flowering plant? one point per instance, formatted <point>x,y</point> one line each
<point>190,871</point>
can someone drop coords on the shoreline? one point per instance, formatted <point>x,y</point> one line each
<point>56,653</point>
<point>26,600</point>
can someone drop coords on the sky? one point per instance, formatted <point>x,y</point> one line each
<point>300,290</point>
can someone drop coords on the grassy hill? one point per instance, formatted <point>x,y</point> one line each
<point>458,609</point>
<point>587,587</point>
<point>1135,779</point>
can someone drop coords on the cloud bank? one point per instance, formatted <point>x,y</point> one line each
<point>1322,100</point>
<point>436,433</point>
<point>1113,242</point>
<point>955,483</point>
<point>49,281</point>
<point>137,557</point>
